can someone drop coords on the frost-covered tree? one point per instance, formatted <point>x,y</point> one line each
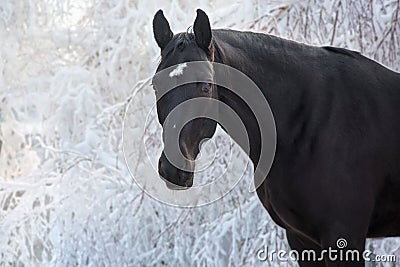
<point>67,71</point>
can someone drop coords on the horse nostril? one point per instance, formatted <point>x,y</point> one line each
<point>161,168</point>
<point>167,171</point>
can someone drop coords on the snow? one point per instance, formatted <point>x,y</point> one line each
<point>66,74</point>
<point>178,71</point>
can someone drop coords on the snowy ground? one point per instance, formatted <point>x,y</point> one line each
<point>66,72</point>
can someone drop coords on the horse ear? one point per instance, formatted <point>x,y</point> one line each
<point>202,30</point>
<point>162,31</point>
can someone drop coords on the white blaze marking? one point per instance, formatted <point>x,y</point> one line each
<point>178,71</point>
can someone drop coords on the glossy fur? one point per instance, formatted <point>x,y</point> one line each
<point>336,172</point>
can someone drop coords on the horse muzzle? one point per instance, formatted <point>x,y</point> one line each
<point>175,178</point>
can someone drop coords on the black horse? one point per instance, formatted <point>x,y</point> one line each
<point>336,172</point>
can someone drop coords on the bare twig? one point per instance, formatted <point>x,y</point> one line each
<point>335,23</point>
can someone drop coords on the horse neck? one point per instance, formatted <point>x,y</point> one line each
<point>248,119</point>
<point>239,107</point>
<point>265,61</point>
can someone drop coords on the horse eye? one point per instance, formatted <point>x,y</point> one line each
<point>205,88</point>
